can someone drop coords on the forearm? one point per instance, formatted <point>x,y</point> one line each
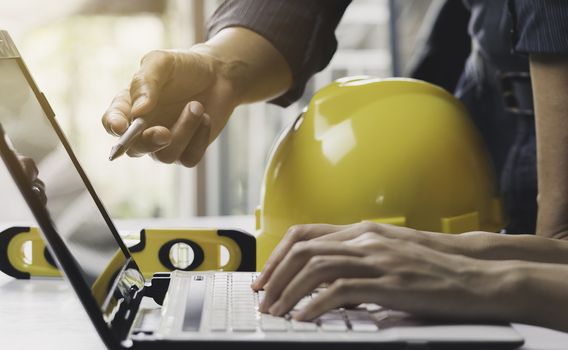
<point>534,293</point>
<point>254,68</point>
<point>493,246</point>
<point>549,75</point>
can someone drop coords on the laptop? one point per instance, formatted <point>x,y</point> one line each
<point>183,308</point>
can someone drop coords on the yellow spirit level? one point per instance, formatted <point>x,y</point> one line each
<point>157,250</point>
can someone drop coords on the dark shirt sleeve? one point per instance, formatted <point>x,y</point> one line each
<point>442,58</point>
<point>540,26</point>
<point>303,31</point>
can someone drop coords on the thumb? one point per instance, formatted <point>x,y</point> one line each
<point>155,70</point>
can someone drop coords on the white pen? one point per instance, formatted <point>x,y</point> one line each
<point>128,138</point>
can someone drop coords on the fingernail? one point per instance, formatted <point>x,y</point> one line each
<point>196,108</point>
<point>160,139</point>
<point>117,123</point>
<point>117,130</point>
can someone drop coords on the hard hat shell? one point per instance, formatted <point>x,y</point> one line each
<point>397,151</point>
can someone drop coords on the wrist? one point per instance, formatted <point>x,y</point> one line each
<point>510,296</point>
<point>250,63</point>
<point>539,295</point>
<point>442,242</point>
<point>480,245</point>
<point>229,72</point>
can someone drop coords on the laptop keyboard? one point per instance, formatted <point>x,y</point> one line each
<point>234,307</point>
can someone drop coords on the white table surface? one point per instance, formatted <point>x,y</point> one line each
<point>46,314</point>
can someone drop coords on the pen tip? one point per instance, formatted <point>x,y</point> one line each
<point>116,152</point>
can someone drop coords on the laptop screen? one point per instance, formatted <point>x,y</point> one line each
<point>70,205</point>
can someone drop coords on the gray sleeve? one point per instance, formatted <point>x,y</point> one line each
<point>303,31</point>
<point>540,26</point>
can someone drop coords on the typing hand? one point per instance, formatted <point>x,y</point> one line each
<point>371,268</point>
<point>186,99</point>
<point>324,232</point>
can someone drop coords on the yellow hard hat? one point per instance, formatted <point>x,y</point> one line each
<point>397,151</point>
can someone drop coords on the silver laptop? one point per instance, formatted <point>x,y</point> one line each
<point>183,308</point>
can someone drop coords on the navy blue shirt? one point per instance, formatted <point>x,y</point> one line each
<point>540,26</point>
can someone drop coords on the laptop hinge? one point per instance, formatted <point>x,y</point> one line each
<point>158,287</point>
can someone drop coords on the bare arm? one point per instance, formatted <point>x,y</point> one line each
<point>550,85</point>
<point>256,70</point>
<point>537,294</point>
<point>549,76</point>
<point>479,245</point>
<point>492,246</point>
<point>371,268</point>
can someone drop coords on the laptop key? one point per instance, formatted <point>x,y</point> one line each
<point>273,327</point>
<point>304,326</point>
<point>244,327</point>
<point>363,326</point>
<point>242,277</point>
<point>218,326</point>
<point>333,326</point>
<point>361,321</point>
<point>333,321</point>
<point>273,323</point>
<point>194,305</point>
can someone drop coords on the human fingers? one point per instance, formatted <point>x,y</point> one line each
<point>39,184</point>
<point>151,140</point>
<point>182,132</point>
<point>298,256</point>
<point>31,171</point>
<point>369,237</point>
<point>394,231</point>
<point>383,230</point>
<point>198,144</point>
<point>318,270</point>
<point>349,232</point>
<point>341,292</point>
<point>424,296</point>
<point>295,234</point>
<point>155,70</point>
<point>29,167</point>
<point>375,244</point>
<point>38,187</point>
<point>117,117</point>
